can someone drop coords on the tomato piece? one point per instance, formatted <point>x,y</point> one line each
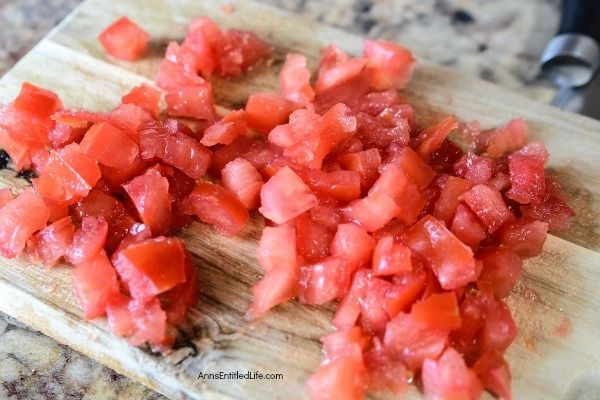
<point>195,101</point>
<point>497,380</point>
<point>450,378</point>
<point>412,342</point>
<point>5,197</point>
<point>390,257</point>
<point>499,182</point>
<point>88,240</point>
<point>439,310</point>
<point>172,76</point>
<point>524,236</point>
<point>373,313</point>
<point>504,139</point>
<point>124,39</point>
<point>239,51</point>
<point>528,183</point>
<point>475,169</point>
<point>451,260</point>
<point>372,212</point>
<point>501,268</point>
<point>394,183</point>
<point>109,146</point>
<point>553,210</point>
<point>467,227</point>
<point>313,239</point>
<point>264,111</point>
<point>431,139</point>
<point>488,205</point>
<point>323,281</point>
<point>407,287</point>
<point>365,163</point>
<point>36,101</point>
<point>294,80</point>
<point>499,329</point>
<point>452,189</point>
<point>202,36</point>
<point>225,131</point>
<point>243,179</point>
<point>349,308</point>
<point>149,320</point>
<point>391,65</point>
<point>119,317</point>
<point>150,195</point>
<point>385,372</point>
<point>19,220</point>
<point>414,167</point>
<point>144,96</point>
<point>142,266</point>
<point>375,131</point>
<point>354,243</point>
<point>285,196</point>
<point>95,284</point>
<point>68,176</point>
<point>374,103</point>
<point>62,134</point>
<point>217,206</point>
<point>50,244</point>
<point>176,300</point>
<point>343,186</point>
<point>333,71</point>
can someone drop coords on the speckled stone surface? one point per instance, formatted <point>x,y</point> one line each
<point>497,40</point>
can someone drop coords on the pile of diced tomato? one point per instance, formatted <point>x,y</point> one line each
<point>418,238</point>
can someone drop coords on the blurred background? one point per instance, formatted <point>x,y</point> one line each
<point>496,40</point>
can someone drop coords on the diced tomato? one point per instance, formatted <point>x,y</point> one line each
<point>202,36</point>
<point>374,103</point>
<point>349,308</point>
<point>95,284</point>
<point>373,313</point>
<point>217,206</point>
<point>372,212</point>
<point>505,139</point>
<point>431,139</point>
<point>109,146</point>
<point>172,76</point>
<point>151,266</point>
<point>62,134</point>
<point>313,239</point>
<point>353,243</point>
<point>343,186</point>
<point>453,188</point>
<point>382,131</point>
<point>294,80</point>
<point>324,281</point>
<point>394,183</point>
<point>385,372</point>
<point>553,210</point>
<point>444,159</point>
<point>264,111</point>
<point>124,39</point>
<point>176,300</point>
<point>488,205</point>
<point>149,320</point>
<point>68,176</point>
<point>51,243</point>
<point>144,96</point>
<point>499,329</point>
<point>5,197</point>
<point>277,256</point>
<point>497,380</point>
<point>467,227</point>
<point>501,268</point>
<point>119,317</point>
<point>343,378</point>
<point>499,182</point>
<point>36,101</point>
<point>450,378</point>
<point>438,310</point>
<point>239,51</point>
<point>285,196</point>
<point>392,65</point>
<point>528,184</point>
<point>19,220</point>
<point>524,236</point>
<point>225,131</point>
<point>414,167</point>
<point>336,68</point>
<point>195,101</point>
<point>391,257</point>
<point>407,287</point>
<point>88,240</point>
<point>450,259</point>
<point>150,195</point>
<point>365,163</point>
<point>475,169</point>
<point>243,179</point>
<point>412,342</point>
<point>326,213</point>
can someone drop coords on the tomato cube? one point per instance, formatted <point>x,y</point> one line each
<point>488,205</point>
<point>144,96</point>
<point>475,169</point>
<point>372,212</point>
<point>505,139</point>
<point>243,179</point>
<point>452,189</point>
<point>239,51</point>
<point>467,227</point>
<point>51,243</point>
<point>109,146</point>
<point>95,283</point>
<point>391,65</point>
<point>324,281</point>
<point>439,310</point>
<point>414,167</point>
<point>365,163</point>
<point>406,288</point>
<point>353,243</point>
<point>88,240</point>
<point>225,131</point>
<point>313,239</point>
<point>343,378</point>
<point>528,184</point>
<point>524,236</point>
<point>501,268</point>
<point>294,80</point>
<point>450,378</point>
<point>431,139</point>
<point>124,39</point>
<point>150,195</point>
<point>264,111</point>
<point>349,308</point>
<point>391,257</point>
<point>194,101</point>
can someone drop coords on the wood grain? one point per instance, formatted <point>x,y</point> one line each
<point>561,283</point>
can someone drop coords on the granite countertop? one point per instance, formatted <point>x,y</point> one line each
<point>497,40</point>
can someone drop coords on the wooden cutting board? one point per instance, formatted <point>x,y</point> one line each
<point>556,304</point>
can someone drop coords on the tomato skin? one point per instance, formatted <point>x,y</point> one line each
<point>144,96</point>
<point>109,146</point>
<point>294,80</point>
<point>125,40</point>
<point>353,243</point>
<point>264,111</point>
<point>151,266</point>
<point>449,378</point>
<point>454,266</point>
<point>390,257</point>
<point>150,195</point>
<point>392,65</point>
<point>285,196</point>
<point>195,101</point>
<point>431,139</point>
<point>488,205</point>
<point>217,206</point>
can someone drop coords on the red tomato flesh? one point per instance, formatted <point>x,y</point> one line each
<point>124,39</point>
